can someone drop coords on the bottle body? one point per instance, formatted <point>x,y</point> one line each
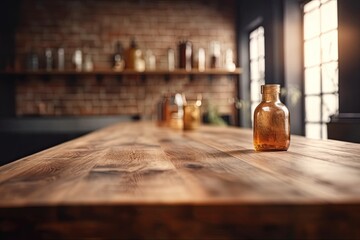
<point>132,54</point>
<point>77,60</point>
<point>271,121</point>
<point>61,59</point>
<point>171,59</point>
<point>118,58</point>
<point>185,55</point>
<point>48,59</point>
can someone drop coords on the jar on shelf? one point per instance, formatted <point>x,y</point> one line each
<point>271,121</point>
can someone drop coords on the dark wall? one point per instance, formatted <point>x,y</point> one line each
<point>282,41</point>
<point>349,56</point>
<point>266,13</point>
<point>293,64</point>
<point>346,125</point>
<point>8,23</point>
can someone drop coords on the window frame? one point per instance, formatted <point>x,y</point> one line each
<point>320,66</point>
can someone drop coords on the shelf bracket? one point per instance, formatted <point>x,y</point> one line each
<point>119,78</point>
<point>143,78</point>
<point>191,77</point>
<point>71,80</point>
<point>167,78</point>
<point>46,77</point>
<point>99,77</point>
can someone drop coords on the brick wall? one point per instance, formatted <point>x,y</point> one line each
<point>95,26</point>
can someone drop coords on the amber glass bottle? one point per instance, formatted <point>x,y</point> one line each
<point>271,121</point>
<point>132,53</point>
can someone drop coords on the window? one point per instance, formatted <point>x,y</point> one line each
<point>257,66</point>
<point>320,66</point>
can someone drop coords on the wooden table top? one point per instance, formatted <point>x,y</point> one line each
<point>157,177</point>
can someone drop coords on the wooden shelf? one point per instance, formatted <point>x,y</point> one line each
<point>119,73</point>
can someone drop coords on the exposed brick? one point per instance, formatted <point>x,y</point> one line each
<point>95,26</point>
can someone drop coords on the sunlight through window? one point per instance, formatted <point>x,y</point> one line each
<point>257,66</point>
<point>321,66</point>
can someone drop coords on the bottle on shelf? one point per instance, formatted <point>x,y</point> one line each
<point>118,57</point>
<point>271,121</point>
<point>48,59</point>
<point>88,63</point>
<point>201,59</point>
<point>171,59</point>
<point>77,60</point>
<point>229,61</point>
<point>185,55</point>
<point>61,59</point>
<point>215,54</point>
<point>134,59</point>
<point>32,61</point>
<point>150,60</point>
<point>131,54</point>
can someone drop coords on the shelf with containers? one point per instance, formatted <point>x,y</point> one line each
<point>100,73</point>
<point>8,79</point>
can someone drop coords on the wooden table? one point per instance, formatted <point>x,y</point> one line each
<point>139,181</point>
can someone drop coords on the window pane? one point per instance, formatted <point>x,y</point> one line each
<point>262,67</point>
<point>312,108</point>
<point>311,5</point>
<point>253,49</point>
<point>255,91</point>
<point>330,106</point>
<point>312,52</point>
<point>330,77</point>
<point>321,65</point>
<point>254,70</point>
<point>328,16</point>
<point>261,42</point>
<point>329,46</point>
<point>313,130</point>
<point>257,66</point>
<point>260,30</point>
<point>311,24</point>
<point>324,131</point>
<point>253,34</point>
<point>312,80</point>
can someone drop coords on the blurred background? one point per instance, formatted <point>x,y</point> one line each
<point>68,67</point>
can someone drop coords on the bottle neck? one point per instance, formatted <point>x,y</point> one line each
<point>270,96</point>
<point>270,92</point>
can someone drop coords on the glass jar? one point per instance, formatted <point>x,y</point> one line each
<point>191,116</point>
<point>271,121</point>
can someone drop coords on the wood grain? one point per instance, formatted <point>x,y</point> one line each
<point>136,180</point>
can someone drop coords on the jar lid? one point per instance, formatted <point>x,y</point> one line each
<point>270,88</point>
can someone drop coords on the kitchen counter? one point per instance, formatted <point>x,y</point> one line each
<point>22,136</point>
<point>137,180</point>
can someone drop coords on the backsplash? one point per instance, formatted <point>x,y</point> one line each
<point>95,26</point>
